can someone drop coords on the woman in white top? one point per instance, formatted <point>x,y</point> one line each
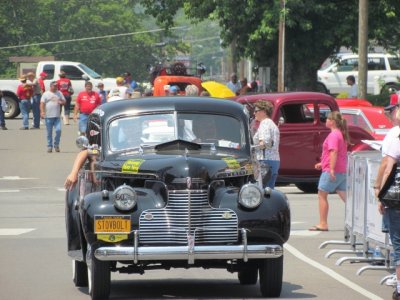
<point>267,136</point>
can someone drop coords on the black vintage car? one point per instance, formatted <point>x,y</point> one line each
<point>172,182</point>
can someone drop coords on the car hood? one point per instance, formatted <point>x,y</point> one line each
<point>175,168</point>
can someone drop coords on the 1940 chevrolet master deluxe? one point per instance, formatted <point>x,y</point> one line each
<point>173,182</point>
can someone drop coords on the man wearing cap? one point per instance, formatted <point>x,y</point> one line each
<point>37,94</point>
<point>173,90</point>
<point>86,102</point>
<point>102,92</point>
<point>50,110</point>
<point>118,92</point>
<point>24,93</point>
<point>130,83</point>
<point>65,87</point>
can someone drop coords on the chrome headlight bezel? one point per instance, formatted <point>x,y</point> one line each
<point>124,197</point>
<point>250,196</point>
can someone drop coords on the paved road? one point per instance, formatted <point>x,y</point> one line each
<point>34,264</point>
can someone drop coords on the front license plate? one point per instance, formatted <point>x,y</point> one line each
<point>113,224</point>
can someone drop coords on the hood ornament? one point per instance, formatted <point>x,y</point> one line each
<point>188,182</point>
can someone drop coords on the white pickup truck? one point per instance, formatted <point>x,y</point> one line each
<point>382,67</point>
<point>78,73</point>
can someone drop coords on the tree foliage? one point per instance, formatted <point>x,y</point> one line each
<point>314,29</point>
<point>38,21</point>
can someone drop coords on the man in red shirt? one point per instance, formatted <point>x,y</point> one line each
<point>65,87</point>
<point>42,77</point>
<point>86,102</point>
<point>24,93</point>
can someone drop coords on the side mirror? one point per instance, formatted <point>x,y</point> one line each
<point>85,77</point>
<point>82,142</point>
<point>334,69</point>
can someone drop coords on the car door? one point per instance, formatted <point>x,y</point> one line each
<point>300,138</point>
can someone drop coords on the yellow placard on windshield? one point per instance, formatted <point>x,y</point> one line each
<point>232,163</point>
<point>132,166</point>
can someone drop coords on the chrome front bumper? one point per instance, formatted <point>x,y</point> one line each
<point>190,252</point>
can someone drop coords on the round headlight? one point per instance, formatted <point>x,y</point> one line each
<point>250,196</point>
<point>124,197</point>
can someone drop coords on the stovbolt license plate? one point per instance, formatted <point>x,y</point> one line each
<point>113,224</point>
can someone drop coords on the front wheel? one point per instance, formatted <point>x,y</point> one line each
<point>99,277</point>
<point>79,273</point>
<point>271,275</point>
<point>12,109</point>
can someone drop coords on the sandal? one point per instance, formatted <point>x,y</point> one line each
<point>317,228</point>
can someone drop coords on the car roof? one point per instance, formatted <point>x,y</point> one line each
<point>178,103</point>
<point>287,97</point>
<point>355,102</point>
<point>375,115</point>
<point>350,55</point>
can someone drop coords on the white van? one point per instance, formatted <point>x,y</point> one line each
<point>333,75</point>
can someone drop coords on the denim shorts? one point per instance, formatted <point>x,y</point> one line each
<point>327,185</point>
<point>394,232</point>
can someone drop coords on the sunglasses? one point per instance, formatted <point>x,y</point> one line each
<point>257,110</point>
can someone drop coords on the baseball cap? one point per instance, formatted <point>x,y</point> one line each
<point>173,89</point>
<point>120,79</point>
<point>43,74</point>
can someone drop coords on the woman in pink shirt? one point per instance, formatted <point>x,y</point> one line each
<point>333,165</point>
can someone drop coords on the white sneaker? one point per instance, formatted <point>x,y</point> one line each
<point>392,281</point>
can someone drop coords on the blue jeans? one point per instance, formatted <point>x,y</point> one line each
<point>36,110</point>
<point>2,118</point>
<point>56,124</point>
<point>394,232</point>
<point>67,105</point>
<point>274,165</point>
<point>83,122</point>
<point>25,107</point>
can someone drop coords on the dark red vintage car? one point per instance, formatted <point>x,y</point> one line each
<point>301,119</point>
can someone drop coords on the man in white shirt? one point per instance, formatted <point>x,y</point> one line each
<point>351,81</point>
<point>234,85</point>
<point>118,92</point>
<point>50,107</point>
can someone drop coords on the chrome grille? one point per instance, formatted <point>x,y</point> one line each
<point>170,225</point>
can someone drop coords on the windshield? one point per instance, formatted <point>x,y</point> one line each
<point>89,71</point>
<point>153,129</point>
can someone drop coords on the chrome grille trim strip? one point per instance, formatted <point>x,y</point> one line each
<point>173,225</point>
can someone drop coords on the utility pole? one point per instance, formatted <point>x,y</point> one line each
<point>362,48</point>
<point>281,49</point>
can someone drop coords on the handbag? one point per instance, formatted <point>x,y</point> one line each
<point>389,195</point>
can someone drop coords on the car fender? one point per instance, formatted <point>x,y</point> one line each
<point>269,221</point>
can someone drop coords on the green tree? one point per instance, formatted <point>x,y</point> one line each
<point>314,29</point>
<point>26,22</point>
